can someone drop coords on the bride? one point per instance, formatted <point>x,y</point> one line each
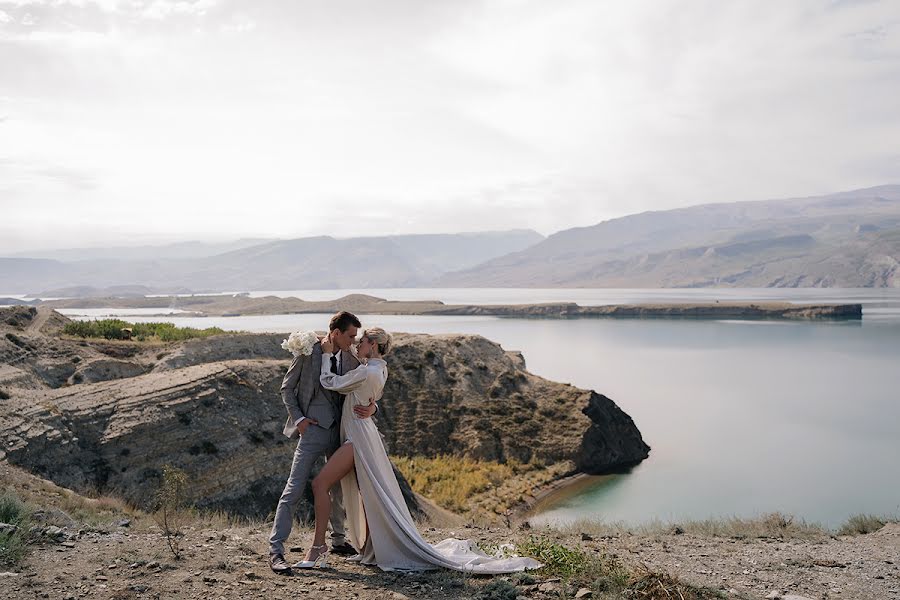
<point>378,519</point>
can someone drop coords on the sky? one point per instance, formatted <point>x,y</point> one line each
<point>150,121</point>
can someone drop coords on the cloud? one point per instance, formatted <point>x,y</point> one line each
<point>452,115</point>
<point>17,173</point>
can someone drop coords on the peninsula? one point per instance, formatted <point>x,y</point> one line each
<point>238,305</point>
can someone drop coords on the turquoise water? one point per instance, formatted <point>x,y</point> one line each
<point>743,417</point>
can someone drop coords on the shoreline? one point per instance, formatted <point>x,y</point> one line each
<point>558,490</point>
<point>566,484</point>
<point>220,306</point>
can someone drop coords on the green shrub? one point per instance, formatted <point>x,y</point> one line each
<point>12,510</point>
<point>13,543</point>
<point>113,329</point>
<point>558,560</point>
<point>607,572</point>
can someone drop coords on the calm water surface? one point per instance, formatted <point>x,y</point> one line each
<point>743,417</point>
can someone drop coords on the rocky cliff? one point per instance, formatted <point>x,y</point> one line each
<point>212,407</point>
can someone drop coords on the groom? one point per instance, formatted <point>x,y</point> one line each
<point>314,414</point>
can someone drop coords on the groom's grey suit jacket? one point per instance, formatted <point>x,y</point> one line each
<point>304,396</point>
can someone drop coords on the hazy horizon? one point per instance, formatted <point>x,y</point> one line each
<point>147,122</point>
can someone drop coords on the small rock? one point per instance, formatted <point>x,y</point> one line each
<point>583,593</point>
<point>548,587</point>
<point>124,523</point>
<point>5,574</point>
<point>102,578</point>
<point>586,537</point>
<point>7,528</point>
<point>399,596</point>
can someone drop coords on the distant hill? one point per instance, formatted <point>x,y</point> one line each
<point>305,263</point>
<point>849,239</point>
<point>176,250</point>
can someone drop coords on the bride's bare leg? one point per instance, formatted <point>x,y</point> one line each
<point>340,463</point>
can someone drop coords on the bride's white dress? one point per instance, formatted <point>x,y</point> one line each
<point>372,493</point>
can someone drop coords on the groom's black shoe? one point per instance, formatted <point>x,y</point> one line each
<point>344,549</point>
<point>279,565</point>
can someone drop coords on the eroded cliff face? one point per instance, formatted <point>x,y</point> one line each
<point>462,394</point>
<point>207,408</point>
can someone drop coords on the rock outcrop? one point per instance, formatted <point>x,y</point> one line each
<point>211,411</point>
<point>463,395</point>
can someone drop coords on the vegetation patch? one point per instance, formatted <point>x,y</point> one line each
<point>498,589</point>
<point>117,329</point>
<point>452,481</point>
<point>15,518</point>
<point>574,564</point>
<point>662,586</point>
<point>863,524</point>
<point>170,502</point>
<point>605,575</point>
<point>771,525</point>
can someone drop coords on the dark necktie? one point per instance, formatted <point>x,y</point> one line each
<point>334,368</point>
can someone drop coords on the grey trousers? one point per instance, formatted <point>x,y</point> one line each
<point>314,444</point>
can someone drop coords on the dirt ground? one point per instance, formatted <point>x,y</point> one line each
<point>129,562</point>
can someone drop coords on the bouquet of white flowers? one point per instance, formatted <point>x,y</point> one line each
<point>300,343</point>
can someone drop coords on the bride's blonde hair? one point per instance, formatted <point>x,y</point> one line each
<point>381,338</point>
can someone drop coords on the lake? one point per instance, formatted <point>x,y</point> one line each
<point>743,417</point>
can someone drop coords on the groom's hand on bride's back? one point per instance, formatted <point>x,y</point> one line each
<point>364,411</point>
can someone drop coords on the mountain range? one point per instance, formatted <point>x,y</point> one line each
<point>305,263</point>
<point>847,239</point>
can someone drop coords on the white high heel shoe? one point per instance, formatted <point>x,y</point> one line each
<point>319,562</point>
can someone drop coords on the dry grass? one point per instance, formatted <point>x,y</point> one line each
<point>863,524</point>
<point>772,525</point>
<point>650,585</point>
<point>486,492</point>
<point>451,482</point>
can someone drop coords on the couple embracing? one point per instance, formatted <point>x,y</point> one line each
<point>330,395</point>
